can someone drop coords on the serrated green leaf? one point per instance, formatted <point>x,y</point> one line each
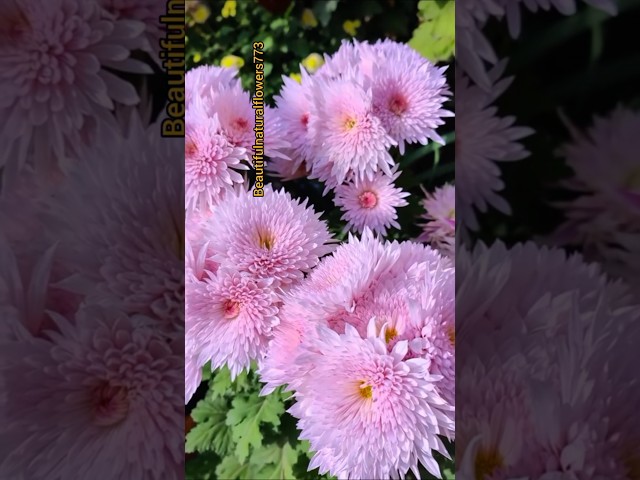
<point>245,417</point>
<point>210,431</point>
<point>275,462</point>
<point>221,383</point>
<point>230,468</point>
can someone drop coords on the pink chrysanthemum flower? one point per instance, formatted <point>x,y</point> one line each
<point>210,160</point>
<point>57,58</point>
<point>109,392</point>
<point>377,414</point>
<point>273,237</point>
<point>371,203</point>
<point>229,319</point>
<point>350,140</point>
<point>482,140</point>
<point>408,91</point>
<point>603,219</point>
<point>440,216</point>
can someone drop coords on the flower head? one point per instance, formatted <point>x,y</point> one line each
<point>371,203</point>
<point>273,237</point>
<point>377,413</point>
<point>230,318</point>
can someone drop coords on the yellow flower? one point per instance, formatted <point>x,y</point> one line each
<point>197,57</point>
<point>231,61</point>
<point>201,13</point>
<point>296,76</point>
<point>308,18</point>
<point>313,62</point>
<point>350,26</point>
<point>229,8</point>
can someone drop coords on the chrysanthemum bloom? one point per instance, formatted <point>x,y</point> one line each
<point>482,140</point>
<point>205,82</point>
<point>440,216</point>
<point>350,139</point>
<point>396,73</point>
<point>229,319</point>
<point>100,388</point>
<point>273,237</point>
<point>120,223</point>
<point>57,58</point>
<point>371,203</point>
<point>377,414</point>
<point>211,162</point>
<point>603,219</point>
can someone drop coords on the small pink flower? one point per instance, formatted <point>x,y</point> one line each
<point>440,216</point>
<point>371,203</point>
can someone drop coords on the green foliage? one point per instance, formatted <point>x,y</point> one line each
<point>435,38</point>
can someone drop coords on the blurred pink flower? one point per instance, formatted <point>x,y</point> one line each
<point>57,61</point>
<point>371,203</point>
<point>97,388</point>
<point>482,140</point>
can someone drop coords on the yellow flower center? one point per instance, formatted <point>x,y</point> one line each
<point>349,123</point>
<point>265,240</point>
<point>390,334</point>
<point>487,462</point>
<point>365,391</point>
<point>451,333</point>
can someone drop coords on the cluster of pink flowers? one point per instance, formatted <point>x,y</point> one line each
<point>344,119</point>
<point>362,332</point>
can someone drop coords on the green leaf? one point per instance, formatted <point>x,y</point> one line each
<point>435,37</point>
<point>221,383</point>
<point>324,10</point>
<point>210,431</point>
<point>230,468</point>
<point>275,462</point>
<point>245,417</point>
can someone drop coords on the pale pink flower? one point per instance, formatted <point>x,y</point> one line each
<point>273,236</point>
<point>439,230</point>
<point>57,58</point>
<point>377,414</point>
<point>192,376</point>
<point>100,388</point>
<point>482,140</point>
<point>211,161</point>
<point>207,81</point>
<point>350,140</point>
<point>371,203</point>
<point>229,319</point>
